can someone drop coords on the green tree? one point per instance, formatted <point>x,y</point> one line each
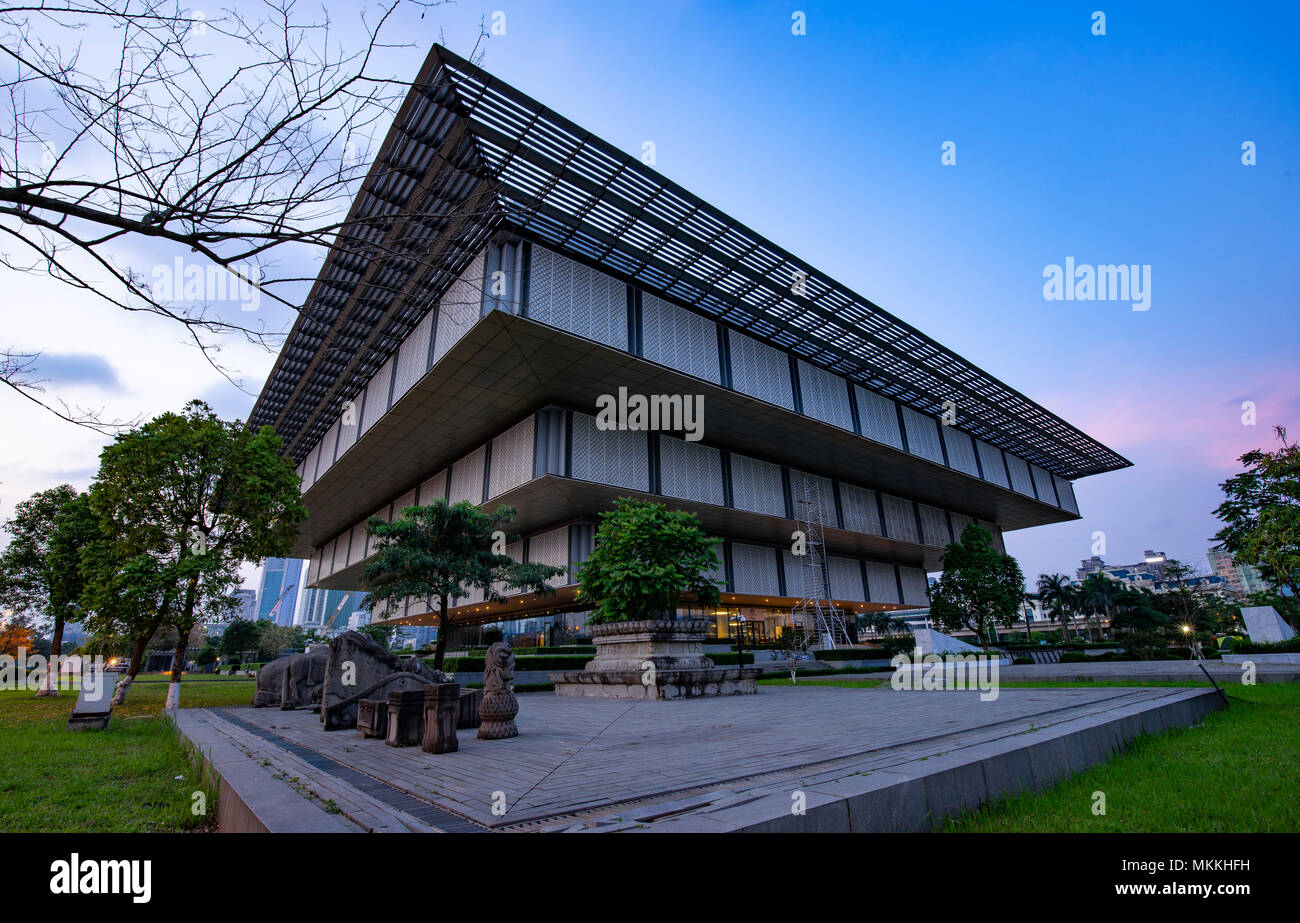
<point>29,580</point>
<point>645,560</point>
<point>1097,594</point>
<point>197,496</point>
<point>441,552</point>
<point>1058,598</point>
<point>1139,623</point>
<point>242,635</point>
<point>980,586</point>
<point>126,598</point>
<point>380,634</point>
<point>1261,514</point>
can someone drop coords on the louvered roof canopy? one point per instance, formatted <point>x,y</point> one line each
<point>469,155</point>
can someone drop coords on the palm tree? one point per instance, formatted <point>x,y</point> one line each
<point>1098,595</point>
<point>1057,595</point>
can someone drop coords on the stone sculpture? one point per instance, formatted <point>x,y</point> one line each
<point>442,704</point>
<point>359,668</point>
<point>292,682</point>
<point>499,706</point>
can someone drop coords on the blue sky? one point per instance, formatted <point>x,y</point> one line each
<point>1122,148</point>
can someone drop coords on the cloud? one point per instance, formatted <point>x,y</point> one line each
<point>61,369</point>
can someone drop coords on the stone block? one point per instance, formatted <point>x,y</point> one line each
<point>405,717</point>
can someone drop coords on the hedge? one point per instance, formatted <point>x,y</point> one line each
<point>475,664</point>
<point>853,653</point>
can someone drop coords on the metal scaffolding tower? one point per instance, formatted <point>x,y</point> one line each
<point>823,624</point>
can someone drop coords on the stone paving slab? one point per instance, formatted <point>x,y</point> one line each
<point>725,763</point>
<point>1135,671</point>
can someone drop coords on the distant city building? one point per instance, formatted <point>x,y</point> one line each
<point>330,611</point>
<point>279,590</point>
<point>357,620</point>
<point>1242,579</point>
<point>1148,574</point>
<point>247,604</point>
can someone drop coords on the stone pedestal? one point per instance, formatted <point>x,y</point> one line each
<point>405,716</point>
<point>372,718</point>
<point>442,702</point>
<point>653,659</point>
<point>470,700</point>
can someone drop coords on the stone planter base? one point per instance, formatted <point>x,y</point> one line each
<point>668,684</point>
<point>653,659</point>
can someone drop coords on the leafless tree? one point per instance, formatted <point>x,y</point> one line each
<point>238,140</point>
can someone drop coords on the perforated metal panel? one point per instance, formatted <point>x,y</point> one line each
<point>1065,490</point>
<point>679,339</point>
<point>413,357</point>
<point>467,477</point>
<point>846,579</point>
<point>922,435</point>
<point>459,308</point>
<point>341,545</point>
<point>961,450</point>
<point>328,446</point>
<point>376,404</point>
<point>1021,483</point>
<point>800,582</point>
<point>349,427</point>
<point>756,486</point>
<point>878,416</point>
<point>313,566</point>
<point>690,471</point>
<point>357,544</point>
<point>753,570</point>
<point>432,489</point>
<point>825,396</point>
<point>1043,485</point>
<point>825,491</point>
<point>881,583</point>
<point>617,457</point>
<point>551,548</point>
<point>574,297</point>
<point>760,371</point>
<point>900,519</point>
<point>914,586</point>
<point>402,502</point>
<point>512,458</point>
<point>309,465</point>
<point>991,459</point>
<point>327,558</point>
<point>861,512</point>
<point>934,525</point>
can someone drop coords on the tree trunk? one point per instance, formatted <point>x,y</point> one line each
<point>440,648</point>
<point>137,655</point>
<point>178,667</point>
<point>51,684</point>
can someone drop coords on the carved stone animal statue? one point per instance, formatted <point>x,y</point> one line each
<point>304,677</point>
<point>292,682</point>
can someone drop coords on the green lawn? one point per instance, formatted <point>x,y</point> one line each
<point>119,780</point>
<point>1238,771</point>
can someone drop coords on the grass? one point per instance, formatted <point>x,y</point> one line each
<point>1236,772</point>
<point>123,779</point>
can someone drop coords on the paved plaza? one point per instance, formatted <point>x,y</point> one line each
<point>720,763</point>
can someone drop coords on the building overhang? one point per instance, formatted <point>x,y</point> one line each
<point>567,599</point>
<point>469,155</point>
<point>507,366</point>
